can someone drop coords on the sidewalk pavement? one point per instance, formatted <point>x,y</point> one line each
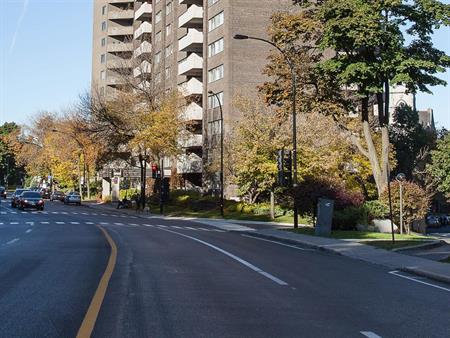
<point>348,248</point>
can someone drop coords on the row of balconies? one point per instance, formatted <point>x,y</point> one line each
<point>144,12</point>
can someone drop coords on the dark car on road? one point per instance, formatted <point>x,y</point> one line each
<point>45,193</point>
<point>72,198</point>
<point>15,197</point>
<point>2,192</point>
<point>30,200</point>
<point>57,196</point>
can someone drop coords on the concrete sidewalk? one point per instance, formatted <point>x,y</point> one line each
<point>348,248</point>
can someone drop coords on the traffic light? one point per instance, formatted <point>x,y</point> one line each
<point>154,171</point>
<point>284,164</point>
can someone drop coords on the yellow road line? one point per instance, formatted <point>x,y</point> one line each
<point>87,326</point>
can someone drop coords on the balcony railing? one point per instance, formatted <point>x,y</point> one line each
<point>121,14</point>
<point>119,47</point>
<point>192,18</point>
<point>192,141</point>
<point>191,87</point>
<point>144,28</point>
<point>193,112</point>
<point>191,66</point>
<point>144,48</point>
<point>120,30</point>
<point>144,12</point>
<point>192,41</point>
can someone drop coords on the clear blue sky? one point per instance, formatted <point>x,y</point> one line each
<point>45,58</point>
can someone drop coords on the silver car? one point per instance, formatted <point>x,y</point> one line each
<point>72,198</point>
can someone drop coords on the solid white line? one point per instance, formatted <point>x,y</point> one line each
<point>396,273</point>
<point>29,230</point>
<point>12,241</point>
<point>236,258</point>
<point>369,334</point>
<point>275,242</point>
<point>191,228</point>
<point>204,229</point>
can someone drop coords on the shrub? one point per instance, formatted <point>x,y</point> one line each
<point>376,210</point>
<point>415,202</point>
<point>348,218</point>
<point>128,193</point>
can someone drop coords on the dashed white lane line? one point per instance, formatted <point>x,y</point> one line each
<point>176,227</point>
<point>29,230</point>
<point>133,224</point>
<point>74,213</point>
<point>84,213</point>
<point>104,223</point>
<point>397,273</point>
<point>94,214</point>
<point>275,242</point>
<point>13,212</point>
<point>45,222</point>
<point>236,258</point>
<point>118,224</point>
<point>74,222</point>
<point>148,225</point>
<point>161,225</point>
<point>88,222</point>
<point>55,212</point>
<point>370,334</point>
<point>12,241</point>
<point>13,222</point>
<point>191,228</point>
<point>30,223</point>
<point>60,222</point>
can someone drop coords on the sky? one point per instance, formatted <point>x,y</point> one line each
<point>45,59</point>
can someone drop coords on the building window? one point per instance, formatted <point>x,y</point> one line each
<point>158,36</point>
<point>168,29</point>
<point>212,2</point>
<point>216,47</point>
<point>103,75</point>
<point>103,42</point>
<point>157,57</point>
<point>213,102</point>
<point>158,17</point>
<point>103,26</point>
<point>103,10</point>
<point>168,8</point>
<point>215,21</point>
<point>102,58</point>
<point>215,74</point>
<point>168,72</point>
<point>169,50</point>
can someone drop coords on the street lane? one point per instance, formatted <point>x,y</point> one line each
<point>168,285</point>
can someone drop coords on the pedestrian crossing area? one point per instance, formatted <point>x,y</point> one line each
<point>114,224</point>
<point>37,212</point>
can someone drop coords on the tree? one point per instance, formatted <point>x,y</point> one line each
<point>253,148</point>
<point>371,54</point>
<point>411,141</point>
<point>10,171</point>
<point>440,165</point>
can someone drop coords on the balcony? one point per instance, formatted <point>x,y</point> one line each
<point>144,12</point>
<point>191,66</point>
<point>144,48</point>
<point>193,112</point>
<point>192,141</point>
<point>192,18</point>
<point>117,63</point>
<point>191,2</point>
<point>121,14</point>
<point>120,1</point>
<point>120,30</point>
<point>191,42</point>
<point>191,87</point>
<point>144,28</point>
<point>113,80</point>
<point>144,68</point>
<point>189,164</point>
<point>117,47</point>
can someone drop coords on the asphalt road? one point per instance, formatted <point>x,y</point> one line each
<point>183,279</point>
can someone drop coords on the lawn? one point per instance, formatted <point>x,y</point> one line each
<point>341,234</point>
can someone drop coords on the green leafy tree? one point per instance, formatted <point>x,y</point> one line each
<point>10,171</point>
<point>377,44</point>
<point>440,165</point>
<point>411,141</point>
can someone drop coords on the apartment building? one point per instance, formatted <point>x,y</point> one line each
<point>112,47</point>
<point>187,45</point>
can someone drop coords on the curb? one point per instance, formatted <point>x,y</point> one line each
<point>431,275</point>
<point>294,242</point>
<point>429,245</point>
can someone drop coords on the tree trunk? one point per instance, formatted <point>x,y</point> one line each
<point>371,149</point>
<point>272,205</point>
<point>88,185</point>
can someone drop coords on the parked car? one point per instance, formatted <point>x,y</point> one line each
<point>57,196</point>
<point>433,221</point>
<point>2,192</point>
<point>72,198</point>
<point>45,193</point>
<point>15,197</point>
<point>30,200</point>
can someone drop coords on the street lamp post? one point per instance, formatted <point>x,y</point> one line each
<point>400,179</point>
<point>292,67</point>
<point>221,151</point>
